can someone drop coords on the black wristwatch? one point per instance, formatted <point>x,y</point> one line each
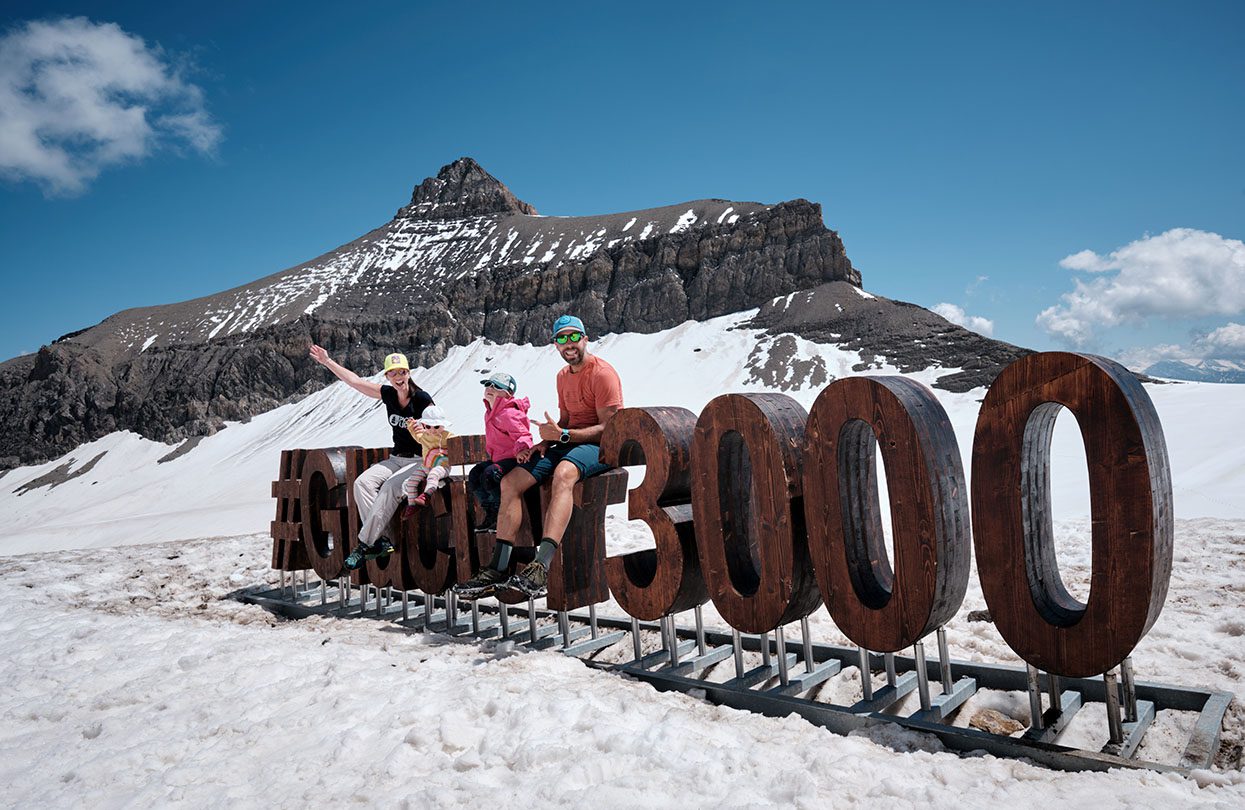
<point>565,438</point>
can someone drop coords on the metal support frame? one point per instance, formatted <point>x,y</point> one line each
<point>1133,711</point>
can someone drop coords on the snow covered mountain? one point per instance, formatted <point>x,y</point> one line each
<point>465,259</point>
<point>1216,371</point>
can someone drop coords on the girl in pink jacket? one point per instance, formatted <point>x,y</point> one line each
<point>506,432</point>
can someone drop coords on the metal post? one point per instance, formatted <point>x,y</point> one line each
<point>944,661</point>
<point>1054,688</point>
<point>341,594</point>
<point>451,610</point>
<point>781,640</point>
<point>281,588</point>
<point>1114,725</point>
<point>737,642</point>
<point>1036,720</point>
<point>592,620</point>
<point>475,617</point>
<point>807,639</point>
<point>504,616</point>
<point>406,598</point>
<point>889,660</point>
<point>635,637</point>
<point>427,611</point>
<point>380,605</point>
<point>674,641</point>
<point>349,586</point>
<point>700,631</point>
<point>922,677</point>
<point>866,675</point>
<point>363,598</point>
<point>766,659</point>
<point>564,623</point>
<point>1130,690</point>
<point>531,618</point>
<point>324,592</point>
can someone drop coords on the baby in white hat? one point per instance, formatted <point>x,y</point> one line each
<point>431,433</point>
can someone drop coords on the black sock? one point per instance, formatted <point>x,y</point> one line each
<point>545,549</point>
<point>501,555</point>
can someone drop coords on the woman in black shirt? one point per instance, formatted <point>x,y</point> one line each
<point>378,491</point>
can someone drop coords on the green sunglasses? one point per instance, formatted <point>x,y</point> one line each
<point>573,337</point>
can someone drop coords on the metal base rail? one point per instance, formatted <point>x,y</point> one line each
<point>675,667</point>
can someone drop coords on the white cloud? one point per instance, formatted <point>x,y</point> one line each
<point>1225,343</point>
<point>77,97</point>
<point>957,316</point>
<point>1182,273</point>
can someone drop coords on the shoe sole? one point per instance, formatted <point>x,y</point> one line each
<point>475,593</point>
<point>515,588</point>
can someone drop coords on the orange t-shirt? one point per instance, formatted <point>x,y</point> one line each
<point>595,385</point>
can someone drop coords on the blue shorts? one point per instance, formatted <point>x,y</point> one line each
<point>587,457</point>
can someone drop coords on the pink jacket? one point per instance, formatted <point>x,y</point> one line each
<point>506,428</point>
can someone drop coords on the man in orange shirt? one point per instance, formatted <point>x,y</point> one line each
<point>589,393</point>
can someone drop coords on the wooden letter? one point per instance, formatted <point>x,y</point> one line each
<point>651,583</point>
<point>325,510</point>
<point>1130,504</point>
<point>747,501</point>
<point>876,608</point>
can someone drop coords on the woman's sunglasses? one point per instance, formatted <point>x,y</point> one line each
<point>573,337</point>
<point>498,386</point>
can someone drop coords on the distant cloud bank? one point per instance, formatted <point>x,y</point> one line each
<point>77,97</point>
<point>1181,273</point>
<point>958,316</point>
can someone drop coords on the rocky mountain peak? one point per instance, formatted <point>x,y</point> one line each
<point>462,189</point>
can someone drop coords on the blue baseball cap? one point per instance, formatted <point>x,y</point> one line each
<point>568,322</point>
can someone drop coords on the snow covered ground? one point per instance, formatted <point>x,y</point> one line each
<point>132,678</point>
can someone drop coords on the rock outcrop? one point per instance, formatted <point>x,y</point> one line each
<point>466,258</point>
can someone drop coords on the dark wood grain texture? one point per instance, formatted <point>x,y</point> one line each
<point>287,528</point>
<point>876,607</point>
<point>357,462</point>
<point>577,573</point>
<point>747,501</point>
<point>325,509</point>
<point>651,583</point>
<point>1130,504</point>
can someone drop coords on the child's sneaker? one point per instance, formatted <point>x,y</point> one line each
<point>489,524</point>
<point>533,580</point>
<point>356,558</point>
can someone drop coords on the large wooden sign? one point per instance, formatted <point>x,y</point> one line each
<point>876,607</point>
<point>1130,505</point>
<point>771,512</point>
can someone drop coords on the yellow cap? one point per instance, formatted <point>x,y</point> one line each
<point>396,360</point>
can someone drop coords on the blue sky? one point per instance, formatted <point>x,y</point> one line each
<point>962,151</point>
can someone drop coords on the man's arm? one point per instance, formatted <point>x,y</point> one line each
<point>592,435</point>
<point>366,387</point>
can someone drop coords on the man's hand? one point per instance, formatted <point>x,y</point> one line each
<point>535,450</point>
<point>319,355</point>
<point>549,430</point>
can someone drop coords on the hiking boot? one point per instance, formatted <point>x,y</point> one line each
<point>489,524</point>
<point>356,558</point>
<point>532,581</point>
<point>481,585</point>
<point>381,548</point>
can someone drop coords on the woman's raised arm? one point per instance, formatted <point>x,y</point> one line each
<point>367,387</point>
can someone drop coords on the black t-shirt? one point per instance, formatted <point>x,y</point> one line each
<point>404,443</point>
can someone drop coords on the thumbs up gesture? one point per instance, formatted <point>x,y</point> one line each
<point>549,430</point>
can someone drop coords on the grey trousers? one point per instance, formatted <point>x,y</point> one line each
<point>378,492</point>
